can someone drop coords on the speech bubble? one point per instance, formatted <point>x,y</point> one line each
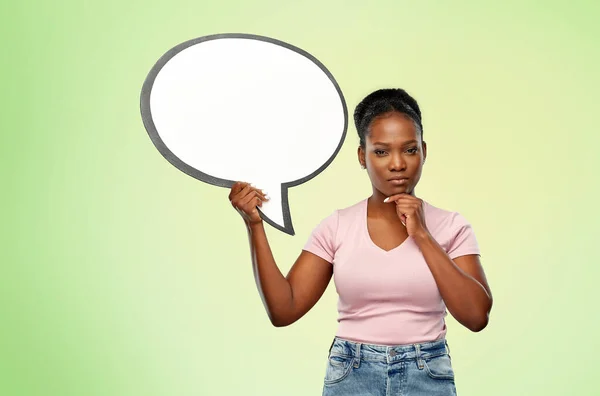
<point>240,107</point>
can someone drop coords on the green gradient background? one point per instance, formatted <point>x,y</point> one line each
<point>123,276</point>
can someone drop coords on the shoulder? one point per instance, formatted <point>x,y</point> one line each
<point>341,218</point>
<point>440,220</point>
<point>353,211</point>
<point>452,231</point>
<point>326,237</point>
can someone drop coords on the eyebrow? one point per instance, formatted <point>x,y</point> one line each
<point>387,145</point>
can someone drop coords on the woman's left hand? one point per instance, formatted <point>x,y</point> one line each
<point>410,212</point>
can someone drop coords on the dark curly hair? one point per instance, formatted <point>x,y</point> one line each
<point>384,101</point>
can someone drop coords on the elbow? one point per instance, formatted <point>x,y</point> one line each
<point>481,321</point>
<point>280,321</point>
<point>283,315</point>
<point>479,324</point>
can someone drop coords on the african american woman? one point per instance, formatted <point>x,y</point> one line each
<point>398,264</point>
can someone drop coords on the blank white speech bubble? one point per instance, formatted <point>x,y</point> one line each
<point>239,107</point>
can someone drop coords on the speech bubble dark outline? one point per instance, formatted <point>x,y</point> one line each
<point>195,173</point>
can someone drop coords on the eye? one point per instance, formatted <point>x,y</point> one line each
<point>412,150</point>
<point>379,152</point>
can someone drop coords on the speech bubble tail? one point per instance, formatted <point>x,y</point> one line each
<point>276,211</point>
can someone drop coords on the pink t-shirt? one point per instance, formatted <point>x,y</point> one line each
<point>387,297</point>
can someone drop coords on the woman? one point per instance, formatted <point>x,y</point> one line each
<point>398,263</point>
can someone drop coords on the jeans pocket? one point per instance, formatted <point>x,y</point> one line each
<point>338,368</point>
<point>440,367</point>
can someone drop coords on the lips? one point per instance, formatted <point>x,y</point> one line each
<point>398,181</point>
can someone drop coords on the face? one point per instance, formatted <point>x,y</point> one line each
<point>393,154</point>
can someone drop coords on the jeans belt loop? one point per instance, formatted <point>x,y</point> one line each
<point>420,361</point>
<point>357,356</point>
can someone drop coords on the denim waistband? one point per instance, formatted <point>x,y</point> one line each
<point>372,352</point>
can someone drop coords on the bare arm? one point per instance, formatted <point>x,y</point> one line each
<point>286,299</point>
<point>462,284</point>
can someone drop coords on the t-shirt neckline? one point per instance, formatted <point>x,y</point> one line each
<point>365,227</point>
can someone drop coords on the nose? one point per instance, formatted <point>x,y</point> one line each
<point>397,163</point>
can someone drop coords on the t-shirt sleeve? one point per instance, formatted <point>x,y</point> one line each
<point>463,239</point>
<point>322,239</point>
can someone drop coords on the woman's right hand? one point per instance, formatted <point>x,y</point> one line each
<point>246,199</point>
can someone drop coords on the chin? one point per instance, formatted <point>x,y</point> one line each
<point>389,191</point>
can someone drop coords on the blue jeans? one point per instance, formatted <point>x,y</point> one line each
<point>378,370</point>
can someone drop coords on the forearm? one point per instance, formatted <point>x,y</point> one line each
<point>273,287</point>
<point>466,299</point>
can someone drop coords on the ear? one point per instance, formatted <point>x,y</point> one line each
<point>424,144</point>
<point>361,157</point>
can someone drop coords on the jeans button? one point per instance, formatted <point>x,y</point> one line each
<point>392,353</point>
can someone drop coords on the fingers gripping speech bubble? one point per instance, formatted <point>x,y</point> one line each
<point>238,107</point>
